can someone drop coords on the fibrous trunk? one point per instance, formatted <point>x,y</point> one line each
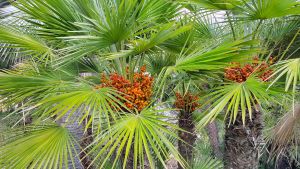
<point>87,139</point>
<point>283,162</point>
<point>242,142</point>
<point>185,147</point>
<point>212,131</point>
<point>130,160</point>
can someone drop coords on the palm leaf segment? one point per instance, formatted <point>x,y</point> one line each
<point>208,163</point>
<point>40,147</point>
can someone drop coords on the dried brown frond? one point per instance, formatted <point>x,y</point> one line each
<point>286,132</point>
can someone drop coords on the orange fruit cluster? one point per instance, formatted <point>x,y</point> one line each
<point>187,102</point>
<point>240,73</point>
<point>137,92</point>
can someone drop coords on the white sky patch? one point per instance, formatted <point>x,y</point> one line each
<point>8,9</point>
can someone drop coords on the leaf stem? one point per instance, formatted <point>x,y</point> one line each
<point>231,25</point>
<point>256,29</point>
<point>290,44</point>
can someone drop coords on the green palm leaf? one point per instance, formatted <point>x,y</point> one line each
<point>208,163</point>
<point>58,94</point>
<point>82,28</point>
<point>40,147</point>
<point>217,4</point>
<point>279,29</point>
<point>237,98</point>
<point>53,19</point>
<point>254,9</point>
<point>205,32</point>
<point>94,43</point>
<point>267,9</point>
<point>209,60</point>
<point>27,44</point>
<point>291,70</point>
<point>216,58</point>
<point>145,135</point>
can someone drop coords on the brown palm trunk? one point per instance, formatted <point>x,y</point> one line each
<point>213,135</point>
<point>185,148</point>
<point>130,160</point>
<point>242,142</point>
<point>283,162</point>
<point>87,139</point>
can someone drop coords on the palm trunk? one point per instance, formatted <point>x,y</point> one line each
<point>283,162</point>
<point>130,160</point>
<point>185,148</point>
<point>86,141</point>
<point>213,135</point>
<point>242,142</point>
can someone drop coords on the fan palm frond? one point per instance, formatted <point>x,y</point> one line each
<point>278,29</point>
<point>53,19</point>
<point>96,26</point>
<point>267,9</point>
<point>48,146</point>
<point>146,135</point>
<point>137,46</point>
<point>217,4</point>
<point>237,98</point>
<point>216,58</point>
<point>290,69</point>
<point>209,60</point>
<point>58,93</point>
<point>254,9</point>
<point>26,44</point>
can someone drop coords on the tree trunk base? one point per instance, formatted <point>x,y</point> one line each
<point>212,131</point>
<point>242,142</point>
<point>186,148</point>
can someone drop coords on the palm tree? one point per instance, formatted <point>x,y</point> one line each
<point>242,102</point>
<point>64,39</point>
<point>187,104</point>
<point>53,88</point>
<point>55,56</point>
